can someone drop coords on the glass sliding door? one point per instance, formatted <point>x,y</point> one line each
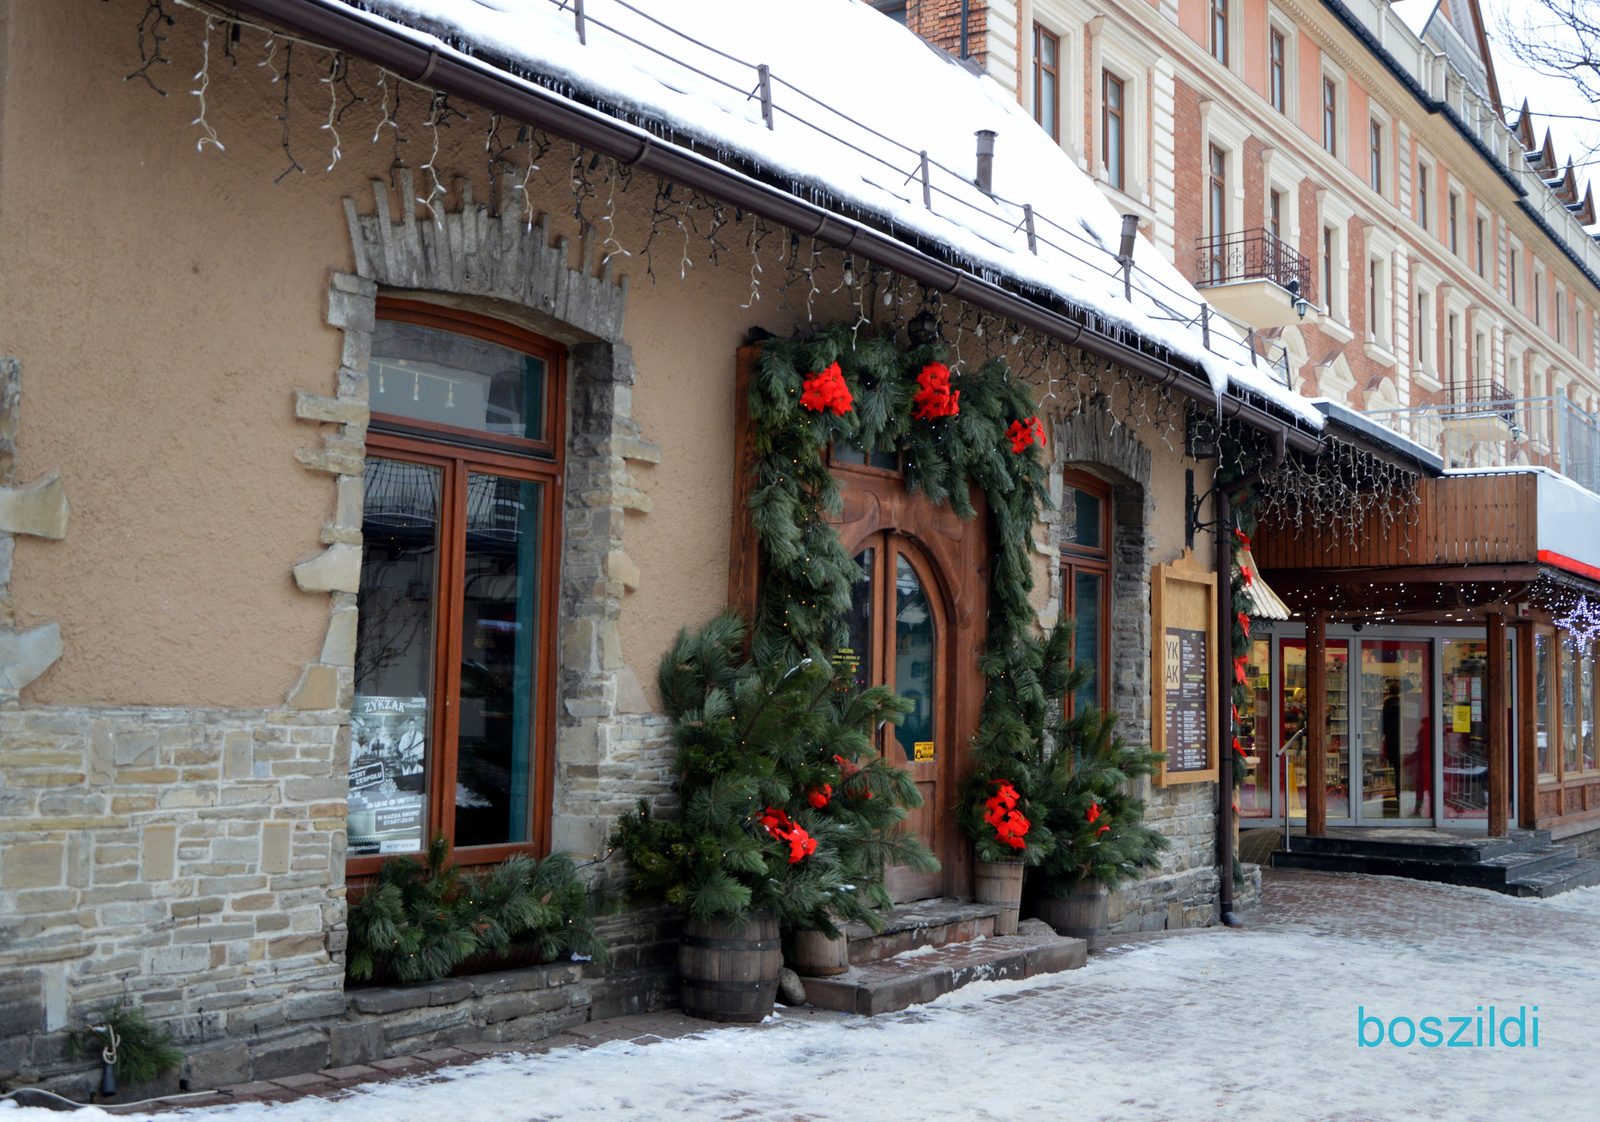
<point>1396,729</point>
<point>1294,701</point>
<point>1463,717</point>
<point>1253,731</point>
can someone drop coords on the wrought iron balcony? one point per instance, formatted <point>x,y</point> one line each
<point>1257,254</point>
<point>1481,426</point>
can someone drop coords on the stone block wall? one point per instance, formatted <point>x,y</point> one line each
<point>190,861</point>
<point>1183,891</point>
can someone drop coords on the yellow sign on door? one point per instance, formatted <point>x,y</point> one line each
<point>1463,719</point>
<point>922,750</point>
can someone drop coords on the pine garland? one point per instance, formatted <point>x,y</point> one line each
<point>420,920</point>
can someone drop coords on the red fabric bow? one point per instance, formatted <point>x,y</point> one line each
<point>819,796</point>
<point>1244,622</point>
<point>1243,537</point>
<point>778,824</point>
<point>1024,433</point>
<point>1009,825</point>
<point>1094,812</point>
<point>1238,667</point>
<point>935,398</point>
<point>827,390</point>
<point>1239,749</point>
<point>1101,830</point>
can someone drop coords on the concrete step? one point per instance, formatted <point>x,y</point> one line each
<point>1421,845</point>
<point>926,971</point>
<point>1580,873</point>
<point>1540,865</point>
<point>925,923</point>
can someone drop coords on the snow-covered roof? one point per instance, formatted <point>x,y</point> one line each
<point>856,97</point>
<point>1415,14</point>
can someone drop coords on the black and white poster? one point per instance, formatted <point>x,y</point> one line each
<point>388,756</point>
<point>1187,718</point>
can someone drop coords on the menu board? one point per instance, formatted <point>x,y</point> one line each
<point>1187,675</point>
<point>1184,660</point>
<point>388,751</point>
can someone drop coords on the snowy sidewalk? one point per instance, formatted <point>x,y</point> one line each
<point>1260,1022</point>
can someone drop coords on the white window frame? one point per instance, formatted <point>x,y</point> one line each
<point>1070,22</point>
<point>1121,52</point>
<point>1382,246</point>
<point>1283,25</point>
<point>1335,214</point>
<point>1425,200</point>
<point>1331,72</point>
<point>1386,183</point>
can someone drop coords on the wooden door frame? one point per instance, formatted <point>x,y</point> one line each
<point>875,500</point>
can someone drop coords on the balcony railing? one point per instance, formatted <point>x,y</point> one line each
<point>1485,432</point>
<point>1251,255</point>
<point>1466,393</point>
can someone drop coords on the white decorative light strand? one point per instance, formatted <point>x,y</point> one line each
<point>204,78</point>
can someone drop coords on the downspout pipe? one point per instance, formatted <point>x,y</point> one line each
<point>380,42</point>
<point>1225,677</point>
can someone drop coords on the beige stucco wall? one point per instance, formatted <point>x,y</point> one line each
<point>165,304</point>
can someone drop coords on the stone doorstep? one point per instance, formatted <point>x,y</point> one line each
<point>887,985</point>
<point>925,923</point>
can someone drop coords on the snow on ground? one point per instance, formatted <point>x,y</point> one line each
<point>1259,1023</point>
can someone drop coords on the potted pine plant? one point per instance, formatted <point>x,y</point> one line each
<point>781,822</point>
<point>1100,839</point>
<point>1016,777</point>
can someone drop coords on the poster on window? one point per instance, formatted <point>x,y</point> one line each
<point>388,753</point>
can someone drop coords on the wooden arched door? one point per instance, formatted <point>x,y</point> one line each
<point>899,637</point>
<point>927,588</point>
<point>917,625</point>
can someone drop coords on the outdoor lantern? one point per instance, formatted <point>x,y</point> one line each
<point>1301,304</point>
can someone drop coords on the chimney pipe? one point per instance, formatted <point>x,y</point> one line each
<point>985,180</point>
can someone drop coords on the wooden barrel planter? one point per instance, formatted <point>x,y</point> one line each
<point>1081,915</point>
<point>729,968</point>
<point>1000,882</point>
<point>815,955</point>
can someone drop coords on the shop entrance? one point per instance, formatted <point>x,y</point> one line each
<point>1407,728</point>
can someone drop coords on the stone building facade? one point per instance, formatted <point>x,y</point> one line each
<point>177,657</point>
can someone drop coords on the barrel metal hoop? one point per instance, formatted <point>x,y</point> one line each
<point>726,987</point>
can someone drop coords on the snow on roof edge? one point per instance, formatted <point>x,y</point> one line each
<point>531,35</point>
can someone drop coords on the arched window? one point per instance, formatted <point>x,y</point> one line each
<point>452,723</point>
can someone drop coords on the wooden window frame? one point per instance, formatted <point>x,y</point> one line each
<point>1422,195</point>
<point>1217,208</point>
<point>1041,33</point>
<point>1330,116</point>
<point>1119,179</point>
<point>457,453</point>
<point>1219,30</point>
<point>1375,151</point>
<point>1278,69</point>
<point>1480,246</point>
<point>1453,215</point>
<point>1077,559</point>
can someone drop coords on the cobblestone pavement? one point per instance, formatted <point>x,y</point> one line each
<point>1256,1023</point>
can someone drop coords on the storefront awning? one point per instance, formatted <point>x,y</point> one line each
<point>1260,601</point>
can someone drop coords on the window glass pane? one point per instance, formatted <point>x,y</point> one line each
<point>1570,707</point>
<point>1080,520</point>
<point>397,604</point>
<point>499,662</point>
<point>1464,713</point>
<point>1586,676</point>
<point>1255,793</point>
<point>1396,734</point>
<point>1295,699</point>
<point>1541,705</point>
<point>914,671</point>
<point>844,453</point>
<point>855,660</point>
<point>1087,599</point>
<point>448,379</point>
